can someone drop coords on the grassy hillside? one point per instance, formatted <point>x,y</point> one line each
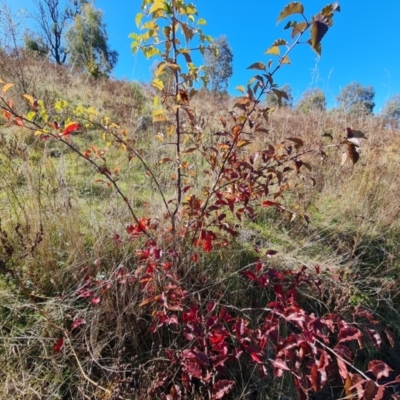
<point>63,231</point>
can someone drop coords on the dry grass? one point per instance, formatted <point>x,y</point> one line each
<point>355,228</point>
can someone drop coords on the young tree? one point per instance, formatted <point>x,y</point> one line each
<point>281,97</point>
<point>218,60</point>
<point>356,99</point>
<point>391,109</point>
<point>53,17</point>
<point>312,100</point>
<point>87,43</point>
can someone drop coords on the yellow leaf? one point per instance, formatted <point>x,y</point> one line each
<point>29,98</point>
<point>273,50</point>
<point>159,137</point>
<point>157,5</point>
<point>37,133</point>
<point>171,130</point>
<point>285,60</point>
<point>158,84</point>
<point>158,112</point>
<point>240,88</point>
<point>160,118</point>
<point>160,69</point>
<point>138,19</point>
<point>7,86</point>
<point>150,51</point>
<point>242,143</point>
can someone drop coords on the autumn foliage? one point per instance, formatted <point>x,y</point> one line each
<point>201,336</point>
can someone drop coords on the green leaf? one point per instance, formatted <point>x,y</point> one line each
<point>257,65</point>
<point>292,8</point>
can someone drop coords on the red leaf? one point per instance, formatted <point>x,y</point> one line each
<point>342,368</point>
<point>390,337</point>
<point>255,357</point>
<point>239,327</point>
<point>315,378</point>
<point>72,127</point>
<point>302,392</point>
<point>370,390</point>
<point>380,393</point>
<point>95,300</point>
<point>221,388</point>
<point>207,245</point>
<point>59,345</point>
<point>202,359</point>
<point>280,364</point>
<point>250,275</point>
<point>375,337</point>
<point>379,368</point>
<point>349,333</point>
<point>193,368</point>
<point>270,253</point>
<point>76,323</point>
<point>343,351</point>
<point>268,203</point>
<point>217,337</point>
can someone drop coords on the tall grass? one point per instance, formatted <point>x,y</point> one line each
<point>60,228</point>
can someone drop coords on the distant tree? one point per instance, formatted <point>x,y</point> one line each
<point>276,99</point>
<point>312,100</point>
<point>87,43</point>
<point>218,64</point>
<point>391,109</point>
<point>34,44</point>
<point>53,18</point>
<point>356,99</point>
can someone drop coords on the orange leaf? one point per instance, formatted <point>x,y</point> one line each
<point>18,122</point>
<point>236,131</point>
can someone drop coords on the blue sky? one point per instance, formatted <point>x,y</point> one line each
<point>363,45</point>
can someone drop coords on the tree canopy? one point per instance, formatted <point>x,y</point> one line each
<point>391,109</point>
<point>218,60</point>
<point>313,99</point>
<point>87,43</point>
<point>53,18</point>
<point>356,99</point>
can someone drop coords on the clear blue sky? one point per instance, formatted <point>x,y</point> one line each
<point>363,45</point>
